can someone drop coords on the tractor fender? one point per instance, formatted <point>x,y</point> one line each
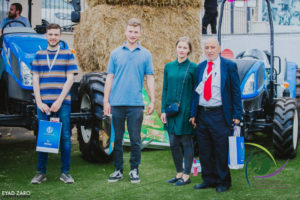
<point>291,77</point>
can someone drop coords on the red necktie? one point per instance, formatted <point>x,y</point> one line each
<point>207,84</point>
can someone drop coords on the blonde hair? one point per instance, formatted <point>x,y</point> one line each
<point>134,22</point>
<point>188,41</point>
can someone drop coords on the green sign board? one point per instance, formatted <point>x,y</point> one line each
<point>153,134</point>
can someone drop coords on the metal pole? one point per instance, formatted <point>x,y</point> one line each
<point>220,21</point>
<point>248,18</point>
<point>232,18</point>
<point>29,10</point>
<point>272,51</point>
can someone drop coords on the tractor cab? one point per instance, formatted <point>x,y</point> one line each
<point>255,54</point>
<point>270,96</point>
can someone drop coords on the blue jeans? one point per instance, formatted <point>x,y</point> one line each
<point>178,153</point>
<point>65,139</point>
<point>134,116</point>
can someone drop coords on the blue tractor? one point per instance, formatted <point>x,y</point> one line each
<point>18,46</point>
<point>270,95</point>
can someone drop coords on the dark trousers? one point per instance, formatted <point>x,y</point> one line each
<point>65,139</point>
<point>134,117</point>
<point>212,134</point>
<point>210,17</point>
<point>176,144</point>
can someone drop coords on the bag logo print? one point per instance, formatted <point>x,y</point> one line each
<point>49,129</point>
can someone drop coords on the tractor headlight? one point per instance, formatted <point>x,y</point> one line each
<point>249,85</point>
<point>26,75</point>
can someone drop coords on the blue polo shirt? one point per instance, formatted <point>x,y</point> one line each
<point>129,69</point>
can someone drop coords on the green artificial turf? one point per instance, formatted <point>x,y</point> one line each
<point>18,165</point>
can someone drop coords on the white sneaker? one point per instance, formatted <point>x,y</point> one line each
<point>38,178</point>
<point>66,178</point>
<point>116,176</point>
<point>134,176</point>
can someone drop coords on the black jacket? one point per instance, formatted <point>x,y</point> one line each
<point>211,5</point>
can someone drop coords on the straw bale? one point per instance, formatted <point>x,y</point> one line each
<point>101,30</point>
<point>152,3</point>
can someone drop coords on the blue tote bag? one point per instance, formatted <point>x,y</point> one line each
<point>48,136</point>
<point>236,153</point>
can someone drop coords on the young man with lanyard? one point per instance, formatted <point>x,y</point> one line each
<point>53,72</point>
<point>127,66</point>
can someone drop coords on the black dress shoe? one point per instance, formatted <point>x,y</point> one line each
<point>204,185</point>
<point>173,180</point>
<point>222,188</point>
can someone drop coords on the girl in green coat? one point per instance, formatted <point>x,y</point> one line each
<point>179,78</point>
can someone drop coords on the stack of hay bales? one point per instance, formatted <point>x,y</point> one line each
<point>102,29</point>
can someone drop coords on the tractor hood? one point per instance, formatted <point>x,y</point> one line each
<point>24,46</point>
<point>18,53</point>
<point>244,66</point>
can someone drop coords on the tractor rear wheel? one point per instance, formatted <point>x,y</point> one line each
<point>285,128</point>
<point>94,137</point>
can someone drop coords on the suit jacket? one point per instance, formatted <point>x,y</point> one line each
<point>230,90</point>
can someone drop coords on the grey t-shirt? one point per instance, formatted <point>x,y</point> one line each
<point>14,24</point>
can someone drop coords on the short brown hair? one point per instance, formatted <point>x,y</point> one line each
<point>188,41</point>
<point>134,22</point>
<point>53,26</point>
<point>18,7</point>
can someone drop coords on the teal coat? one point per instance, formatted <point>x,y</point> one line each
<point>173,79</point>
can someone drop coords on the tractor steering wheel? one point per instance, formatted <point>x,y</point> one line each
<point>8,23</point>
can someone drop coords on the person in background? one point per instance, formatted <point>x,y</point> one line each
<point>15,14</point>
<point>123,99</point>
<point>179,78</point>
<point>53,72</point>
<point>210,16</point>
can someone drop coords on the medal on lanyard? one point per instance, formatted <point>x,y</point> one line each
<point>54,59</point>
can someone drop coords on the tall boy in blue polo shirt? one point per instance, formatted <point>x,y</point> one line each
<point>53,72</point>
<point>128,64</point>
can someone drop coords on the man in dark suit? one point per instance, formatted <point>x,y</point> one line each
<point>216,105</point>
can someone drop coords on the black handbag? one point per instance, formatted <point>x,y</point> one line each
<point>173,109</point>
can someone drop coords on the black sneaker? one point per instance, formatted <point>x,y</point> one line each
<point>134,176</point>
<point>116,176</point>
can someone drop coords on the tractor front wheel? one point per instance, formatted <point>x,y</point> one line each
<point>285,128</point>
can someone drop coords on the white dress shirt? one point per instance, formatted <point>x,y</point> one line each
<point>216,99</point>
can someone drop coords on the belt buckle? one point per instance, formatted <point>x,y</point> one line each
<point>209,109</point>
<point>206,108</point>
